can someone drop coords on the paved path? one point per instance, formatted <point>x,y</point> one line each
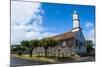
<point>15,62</point>
<point>80,59</point>
<point>87,59</point>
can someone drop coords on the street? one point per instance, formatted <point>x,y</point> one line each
<point>15,62</point>
<point>87,59</point>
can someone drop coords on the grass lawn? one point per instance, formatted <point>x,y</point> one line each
<point>42,59</point>
<point>49,59</point>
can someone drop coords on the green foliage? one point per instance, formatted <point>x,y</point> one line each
<point>89,45</point>
<point>52,42</point>
<point>89,42</point>
<point>19,47</point>
<point>46,43</point>
<point>25,44</point>
<point>19,52</point>
<point>34,43</point>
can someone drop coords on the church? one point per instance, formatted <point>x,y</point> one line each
<point>68,42</point>
<point>73,40</point>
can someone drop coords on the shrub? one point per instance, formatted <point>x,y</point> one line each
<point>19,52</point>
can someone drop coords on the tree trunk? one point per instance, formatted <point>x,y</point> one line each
<point>58,53</point>
<point>31,52</point>
<point>39,52</point>
<point>46,52</point>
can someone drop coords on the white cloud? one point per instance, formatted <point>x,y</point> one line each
<point>23,11</point>
<point>26,22</point>
<point>90,35</point>
<point>89,25</point>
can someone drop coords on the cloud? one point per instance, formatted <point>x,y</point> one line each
<point>90,35</point>
<point>23,11</point>
<point>26,22</point>
<point>89,25</point>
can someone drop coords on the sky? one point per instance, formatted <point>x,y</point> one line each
<point>35,20</point>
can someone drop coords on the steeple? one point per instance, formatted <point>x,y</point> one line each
<point>76,22</point>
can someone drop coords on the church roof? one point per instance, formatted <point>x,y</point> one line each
<point>66,35</point>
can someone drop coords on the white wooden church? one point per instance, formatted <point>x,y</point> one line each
<point>72,41</point>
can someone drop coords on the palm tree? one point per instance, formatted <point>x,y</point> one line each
<point>33,44</point>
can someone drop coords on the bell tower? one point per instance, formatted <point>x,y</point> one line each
<point>76,22</point>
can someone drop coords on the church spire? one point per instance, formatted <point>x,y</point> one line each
<point>76,22</point>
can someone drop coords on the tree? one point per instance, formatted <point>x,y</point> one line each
<point>17,47</point>
<point>52,43</point>
<point>25,44</point>
<point>89,45</point>
<point>33,44</point>
<point>19,50</point>
<point>46,43</point>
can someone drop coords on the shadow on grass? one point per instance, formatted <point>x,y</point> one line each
<point>59,59</point>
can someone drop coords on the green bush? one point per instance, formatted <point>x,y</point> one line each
<point>19,52</point>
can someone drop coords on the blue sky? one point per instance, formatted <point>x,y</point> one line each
<point>38,20</point>
<point>59,16</point>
